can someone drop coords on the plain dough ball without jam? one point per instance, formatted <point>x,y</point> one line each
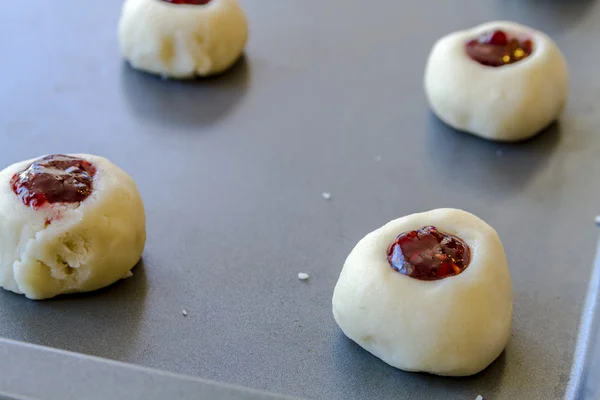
<point>454,326</point>
<point>508,103</point>
<point>180,40</point>
<point>83,248</point>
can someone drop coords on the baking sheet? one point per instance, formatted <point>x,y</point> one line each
<point>584,383</point>
<point>328,99</point>
<point>60,375</point>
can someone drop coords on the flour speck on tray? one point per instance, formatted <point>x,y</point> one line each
<point>184,313</point>
<point>303,276</point>
<point>597,219</point>
<point>326,195</point>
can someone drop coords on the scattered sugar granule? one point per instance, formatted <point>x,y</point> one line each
<point>480,397</point>
<point>597,220</point>
<point>184,313</point>
<point>326,195</point>
<point>303,276</point>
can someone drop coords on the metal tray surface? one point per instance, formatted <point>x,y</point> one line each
<point>327,99</point>
<point>584,383</point>
<point>29,372</point>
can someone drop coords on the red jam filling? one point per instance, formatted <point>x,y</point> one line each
<point>54,179</point>
<point>190,2</point>
<point>497,48</point>
<point>428,254</point>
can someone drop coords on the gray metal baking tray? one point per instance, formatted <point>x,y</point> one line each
<point>585,374</point>
<point>29,372</point>
<point>328,99</point>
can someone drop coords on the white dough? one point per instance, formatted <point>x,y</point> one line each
<point>508,103</point>
<point>182,41</point>
<point>453,326</point>
<point>84,248</point>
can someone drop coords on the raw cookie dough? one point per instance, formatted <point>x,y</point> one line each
<point>452,326</point>
<point>507,103</point>
<point>49,247</point>
<point>182,40</point>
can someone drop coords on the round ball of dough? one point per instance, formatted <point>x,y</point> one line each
<point>182,40</point>
<point>452,326</point>
<point>71,247</point>
<point>508,103</point>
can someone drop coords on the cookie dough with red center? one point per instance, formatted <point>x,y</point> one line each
<point>428,292</point>
<point>68,223</point>
<point>182,38</point>
<point>501,81</point>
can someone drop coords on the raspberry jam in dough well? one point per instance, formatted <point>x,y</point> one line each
<point>189,2</point>
<point>54,179</point>
<point>497,48</point>
<point>428,254</point>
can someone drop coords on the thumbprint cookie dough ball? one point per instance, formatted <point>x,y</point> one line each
<point>428,292</point>
<point>182,38</point>
<point>68,223</point>
<point>500,80</point>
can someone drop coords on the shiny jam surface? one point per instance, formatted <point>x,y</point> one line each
<point>54,179</point>
<point>190,2</point>
<point>497,48</point>
<point>428,254</point>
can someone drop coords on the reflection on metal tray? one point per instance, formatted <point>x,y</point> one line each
<point>585,382</point>
<point>35,373</point>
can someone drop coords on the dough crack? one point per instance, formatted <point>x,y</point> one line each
<point>63,265</point>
